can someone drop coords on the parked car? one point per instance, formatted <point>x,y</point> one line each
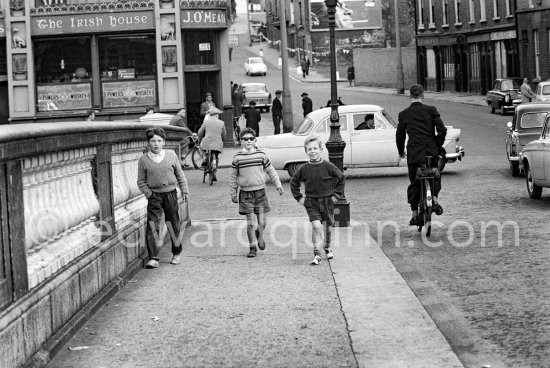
<point>255,65</point>
<point>542,93</point>
<point>524,128</point>
<point>536,161</point>
<point>505,95</point>
<point>257,92</point>
<point>365,147</point>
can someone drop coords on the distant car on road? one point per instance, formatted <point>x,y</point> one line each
<point>524,128</point>
<point>505,95</point>
<point>255,65</point>
<point>255,92</point>
<point>542,93</point>
<point>369,133</point>
<point>536,161</point>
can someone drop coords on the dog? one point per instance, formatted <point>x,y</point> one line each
<point>168,33</point>
<point>18,41</point>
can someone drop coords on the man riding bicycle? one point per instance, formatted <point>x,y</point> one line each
<point>212,133</point>
<point>420,122</point>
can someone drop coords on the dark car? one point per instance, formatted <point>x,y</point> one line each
<point>535,158</point>
<point>524,128</point>
<point>505,95</point>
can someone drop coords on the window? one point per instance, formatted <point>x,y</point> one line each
<point>430,63</point>
<point>363,121</point>
<point>432,11</point>
<point>483,13</point>
<point>420,14</point>
<point>536,41</point>
<point>457,12</point>
<point>533,120</point>
<point>445,13</point>
<point>127,52</point>
<point>508,8</point>
<point>57,59</point>
<point>474,61</point>
<point>195,52</point>
<point>496,14</point>
<point>472,12</point>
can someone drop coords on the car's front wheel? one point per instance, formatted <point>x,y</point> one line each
<point>533,189</point>
<point>292,168</point>
<point>502,110</point>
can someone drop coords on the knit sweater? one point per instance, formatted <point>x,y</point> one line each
<point>321,179</point>
<point>161,177</point>
<point>248,172</point>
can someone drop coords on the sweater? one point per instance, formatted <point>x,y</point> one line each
<point>248,172</point>
<point>161,177</point>
<point>321,179</point>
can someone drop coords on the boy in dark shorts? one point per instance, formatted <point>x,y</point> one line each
<point>324,183</point>
<point>248,173</point>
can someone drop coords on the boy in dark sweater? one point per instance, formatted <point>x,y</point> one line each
<point>324,183</point>
<point>248,171</point>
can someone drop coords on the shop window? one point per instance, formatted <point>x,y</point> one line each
<point>62,60</point>
<point>199,48</point>
<point>127,57</point>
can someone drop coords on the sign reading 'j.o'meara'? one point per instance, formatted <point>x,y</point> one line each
<point>203,19</point>
<point>89,23</point>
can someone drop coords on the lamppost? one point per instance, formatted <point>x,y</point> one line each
<point>399,83</point>
<point>335,144</point>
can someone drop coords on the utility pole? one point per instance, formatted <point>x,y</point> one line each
<point>288,124</point>
<point>248,23</point>
<point>399,82</point>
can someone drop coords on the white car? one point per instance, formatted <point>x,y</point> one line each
<point>369,133</point>
<point>542,93</point>
<point>255,65</point>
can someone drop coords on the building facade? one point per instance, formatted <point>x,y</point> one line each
<point>533,19</point>
<point>463,45</point>
<point>67,57</point>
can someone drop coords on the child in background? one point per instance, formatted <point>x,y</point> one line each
<point>248,173</point>
<point>324,184</point>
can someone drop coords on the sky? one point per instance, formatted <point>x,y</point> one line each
<point>241,6</point>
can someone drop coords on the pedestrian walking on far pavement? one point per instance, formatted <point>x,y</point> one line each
<point>305,67</point>
<point>527,93</point>
<point>324,184</point>
<point>248,178</point>
<point>159,173</point>
<point>351,75</point>
<point>307,104</point>
<point>308,65</point>
<point>253,118</point>
<point>277,111</point>
<point>236,100</point>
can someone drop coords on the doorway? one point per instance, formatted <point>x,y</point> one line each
<point>197,84</point>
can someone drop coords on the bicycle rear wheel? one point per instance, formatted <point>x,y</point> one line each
<point>213,167</point>
<point>428,220</point>
<point>198,157</point>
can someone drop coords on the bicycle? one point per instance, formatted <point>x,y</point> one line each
<point>426,174</point>
<point>211,166</point>
<point>198,156</point>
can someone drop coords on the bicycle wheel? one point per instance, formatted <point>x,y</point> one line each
<point>198,157</point>
<point>428,220</point>
<point>213,167</point>
<point>427,206</point>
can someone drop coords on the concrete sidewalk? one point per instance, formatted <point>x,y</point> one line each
<point>221,309</point>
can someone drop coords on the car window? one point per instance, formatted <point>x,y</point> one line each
<point>304,127</point>
<point>254,88</point>
<point>533,120</point>
<point>508,85</point>
<point>256,61</point>
<point>379,123</point>
<point>389,119</point>
<point>546,90</point>
<point>363,121</point>
<point>323,127</point>
<point>546,132</point>
<point>496,85</point>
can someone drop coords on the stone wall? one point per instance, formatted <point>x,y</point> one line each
<point>72,228</point>
<point>377,67</point>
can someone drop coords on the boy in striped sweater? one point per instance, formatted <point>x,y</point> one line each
<point>248,173</point>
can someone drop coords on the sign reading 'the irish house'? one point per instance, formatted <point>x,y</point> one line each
<point>89,23</point>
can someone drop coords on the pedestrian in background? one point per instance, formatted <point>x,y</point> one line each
<point>91,115</point>
<point>248,179</point>
<point>236,101</point>
<point>526,92</point>
<point>351,75</point>
<point>180,120</point>
<point>308,65</point>
<point>253,118</point>
<point>324,184</point>
<point>206,105</point>
<point>159,174</point>
<point>305,68</point>
<point>307,104</point>
<point>338,101</point>
<point>277,111</point>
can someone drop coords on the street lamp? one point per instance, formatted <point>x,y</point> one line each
<point>399,82</point>
<point>335,144</point>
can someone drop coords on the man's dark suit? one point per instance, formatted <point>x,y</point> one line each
<point>253,118</point>
<point>277,113</point>
<point>420,122</point>
<point>307,105</point>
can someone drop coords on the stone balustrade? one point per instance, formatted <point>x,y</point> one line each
<point>72,221</point>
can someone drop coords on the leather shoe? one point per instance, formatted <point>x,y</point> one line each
<point>437,209</point>
<point>414,221</point>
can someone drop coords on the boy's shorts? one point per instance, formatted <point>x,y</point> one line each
<point>254,201</point>
<point>320,208</point>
